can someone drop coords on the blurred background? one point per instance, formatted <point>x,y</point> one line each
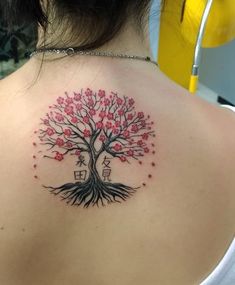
<point>217,69</point>
<point>14,47</point>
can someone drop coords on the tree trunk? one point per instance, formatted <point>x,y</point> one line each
<point>93,175</point>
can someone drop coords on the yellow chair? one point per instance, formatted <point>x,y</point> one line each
<point>188,25</point>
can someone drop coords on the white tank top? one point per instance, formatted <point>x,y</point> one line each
<point>224,273</point>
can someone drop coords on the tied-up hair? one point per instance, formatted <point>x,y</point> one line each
<point>96,22</point>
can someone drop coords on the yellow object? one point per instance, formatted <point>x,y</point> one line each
<point>179,27</point>
<point>175,54</point>
<point>193,84</point>
<point>220,28</point>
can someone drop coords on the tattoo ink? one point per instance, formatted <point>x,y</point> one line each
<point>81,161</point>
<point>80,175</point>
<point>106,172</point>
<point>90,125</point>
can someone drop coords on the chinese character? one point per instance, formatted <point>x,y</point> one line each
<point>81,161</point>
<point>106,174</point>
<point>106,162</point>
<point>106,169</point>
<point>80,175</point>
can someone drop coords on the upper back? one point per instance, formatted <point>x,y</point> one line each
<point>142,177</point>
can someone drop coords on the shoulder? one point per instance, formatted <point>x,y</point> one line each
<point>216,131</point>
<point>214,127</point>
<point>217,124</point>
<point>15,83</point>
<point>220,129</point>
<point>6,87</point>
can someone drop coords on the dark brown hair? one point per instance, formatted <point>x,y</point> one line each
<point>95,21</point>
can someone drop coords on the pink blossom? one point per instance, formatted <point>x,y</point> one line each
<point>130,152</point>
<point>86,120</point>
<point>69,100</point>
<point>59,117</point>
<point>146,150</point>
<point>60,100</point>
<point>99,125</point>
<point>50,132</point>
<point>88,92</point>
<point>130,117</point>
<point>102,138</point>
<point>131,102</point>
<point>145,136</point>
<point>140,115</point>
<point>126,134</point>
<point>86,133</point>
<point>106,102</point>
<point>110,116</point>
<point>91,102</point>
<point>67,132</point>
<point>123,159</point>
<point>59,142</point>
<point>121,112</point>
<point>79,107</point>
<point>101,93</point>
<point>125,124</point>
<point>143,124</point>
<point>74,120</point>
<point>115,131</point>
<point>69,110</point>
<point>140,143</point>
<point>78,152</point>
<point>117,124</point>
<point>108,125</point>
<point>77,96</point>
<point>134,128</point>
<point>46,122</point>
<point>92,112</point>
<point>69,144</point>
<point>119,101</point>
<point>117,147</point>
<point>102,114</point>
<point>59,156</point>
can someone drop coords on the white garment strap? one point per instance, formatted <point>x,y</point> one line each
<point>229,107</point>
<point>224,273</point>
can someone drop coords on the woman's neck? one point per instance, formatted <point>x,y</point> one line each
<point>129,41</point>
<point>47,70</point>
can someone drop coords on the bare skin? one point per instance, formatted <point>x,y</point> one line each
<point>172,231</point>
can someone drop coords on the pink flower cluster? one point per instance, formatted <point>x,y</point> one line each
<point>59,156</point>
<point>89,112</point>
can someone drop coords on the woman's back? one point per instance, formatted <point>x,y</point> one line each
<point>173,229</point>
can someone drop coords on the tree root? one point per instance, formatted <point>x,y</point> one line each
<point>92,192</point>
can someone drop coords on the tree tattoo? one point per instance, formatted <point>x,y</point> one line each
<point>94,124</point>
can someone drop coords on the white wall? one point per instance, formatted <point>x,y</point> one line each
<point>218,70</point>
